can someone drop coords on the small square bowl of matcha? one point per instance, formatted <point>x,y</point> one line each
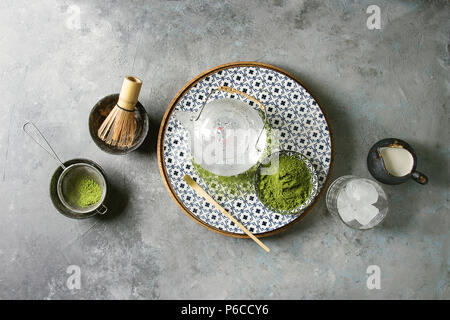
<point>286,182</point>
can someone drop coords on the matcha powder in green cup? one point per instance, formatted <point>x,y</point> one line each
<point>288,187</point>
<point>85,192</point>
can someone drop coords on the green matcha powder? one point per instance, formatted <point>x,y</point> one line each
<point>288,187</point>
<point>227,186</point>
<point>85,192</point>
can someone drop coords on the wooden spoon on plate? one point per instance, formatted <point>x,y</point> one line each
<point>194,185</point>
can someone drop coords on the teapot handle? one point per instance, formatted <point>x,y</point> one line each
<point>231,90</point>
<point>245,95</point>
<point>419,177</point>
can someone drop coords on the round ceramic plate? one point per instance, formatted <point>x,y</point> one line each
<point>302,127</point>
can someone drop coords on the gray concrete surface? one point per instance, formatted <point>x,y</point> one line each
<point>57,58</point>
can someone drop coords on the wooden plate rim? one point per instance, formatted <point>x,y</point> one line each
<point>163,127</point>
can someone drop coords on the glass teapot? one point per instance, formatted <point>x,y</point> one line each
<point>227,136</point>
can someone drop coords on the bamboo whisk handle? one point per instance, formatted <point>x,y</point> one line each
<point>129,93</point>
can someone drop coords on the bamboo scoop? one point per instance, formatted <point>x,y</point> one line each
<point>119,128</point>
<point>194,185</point>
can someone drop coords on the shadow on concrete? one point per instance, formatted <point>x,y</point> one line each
<point>150,143</point>
<point>432,162</point>
<point>305,223</point>
<point>344,151</point>
<point>402,204</point>
<point>116,202</point>
<point>340,126</point>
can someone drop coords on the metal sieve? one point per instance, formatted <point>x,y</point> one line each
<point>70,174</point>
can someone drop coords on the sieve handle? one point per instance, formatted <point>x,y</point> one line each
<point>36,136</point>
<point>103,209</point>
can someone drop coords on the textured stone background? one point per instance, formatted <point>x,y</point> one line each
<point>57,58</point>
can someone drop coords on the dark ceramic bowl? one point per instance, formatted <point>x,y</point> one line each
<point>376,167</point>
<point>54,192</point>
<point>99,113</point>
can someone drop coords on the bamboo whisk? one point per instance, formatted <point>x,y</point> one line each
<point>119,128</point>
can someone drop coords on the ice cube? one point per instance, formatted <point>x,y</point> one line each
<point>345,208</point>
<point>361,191</point>
<point>365,213</point>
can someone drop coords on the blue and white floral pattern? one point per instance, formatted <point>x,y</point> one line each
<point>290,109</point>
